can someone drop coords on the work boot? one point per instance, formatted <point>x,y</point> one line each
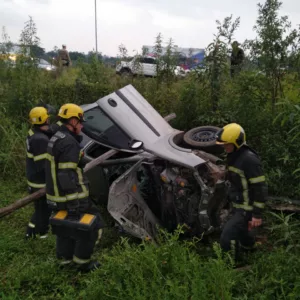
<point>43,234</point>
<point>66,263</point>
<point>88,267</point>
<point>30,233</point>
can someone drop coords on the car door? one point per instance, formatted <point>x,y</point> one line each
<point>127,206</point>
<point>151,66</point>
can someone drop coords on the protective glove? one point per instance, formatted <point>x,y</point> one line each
<point>30,233</point>
<point>255,222</point>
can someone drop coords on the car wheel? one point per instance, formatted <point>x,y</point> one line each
<point>203,137</point>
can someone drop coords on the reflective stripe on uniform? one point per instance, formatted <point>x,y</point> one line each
<point>257,179</point>
<point>31,225</point>
<point>259,204</point>
<point>80,179</point>
<point>40,157</point>
<point>36,185</point>
<point>80,154</point>
<point>59,123</point>
<point>53,174</point>
<point>65,262</point>
<point>30,132</point>
<point>67,165</point>
<point>30,155</point>
<point>233,247</point>
<point>100,231</point>
<point>242,206</point>
<point>69,197</point>
<point>80,261</point>
<point>244,184</point>
<point>37,157</point>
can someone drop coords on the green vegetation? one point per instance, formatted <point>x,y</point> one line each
<point>263,98</point>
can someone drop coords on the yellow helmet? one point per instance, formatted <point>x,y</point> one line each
<point>231,134</point>
<point>71,110</point>
<point>38,115</point>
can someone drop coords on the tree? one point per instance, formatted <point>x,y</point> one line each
<point>28,37</point>
<point>217,59</point>
<point>74,55</point>
<point>37,51</point>
<point>158,50</point>
<point>271,47</point>
<point>170,59</point>
<point>123,52</point>
<point>6,44</point>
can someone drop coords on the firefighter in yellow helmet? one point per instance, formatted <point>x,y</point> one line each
<point>247,189</point>
<point>36,143</point>
<point>67,191</point>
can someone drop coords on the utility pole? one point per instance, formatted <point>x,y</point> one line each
<point>96,28</point>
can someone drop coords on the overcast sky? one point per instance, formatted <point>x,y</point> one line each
<point>191,23</point>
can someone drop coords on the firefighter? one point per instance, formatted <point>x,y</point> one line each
<point>68,193</point>
<point>53,127</point>
<point>247,190</point>
<point>36,142</point>
<point>64,57</point>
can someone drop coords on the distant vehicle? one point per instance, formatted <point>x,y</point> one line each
<point>43,64</point>
<point>188,58</point>
<point>145,65</point>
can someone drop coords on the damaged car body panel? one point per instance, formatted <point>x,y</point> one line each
<point>139,120</point>
<point>162,183</point>
<point>128,207</point>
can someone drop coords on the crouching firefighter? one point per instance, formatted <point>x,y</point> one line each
<point>36,142</point>
<point>76,222</point>
<point>247,190</point>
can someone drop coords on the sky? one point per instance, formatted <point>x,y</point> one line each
<point>133,23</point>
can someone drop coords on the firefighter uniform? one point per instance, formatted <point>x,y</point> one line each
<point>247,193</point>
<point>67,189</point>
<point>36,143</point>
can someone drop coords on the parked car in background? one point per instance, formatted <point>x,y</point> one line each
<point>43,64</point>
<point>145,65</point>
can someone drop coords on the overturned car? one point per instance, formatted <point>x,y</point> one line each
<point>156,179</point>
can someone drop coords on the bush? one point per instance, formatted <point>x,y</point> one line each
<point>172,270</point>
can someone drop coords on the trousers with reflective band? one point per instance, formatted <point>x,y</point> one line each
<point>235,234</point>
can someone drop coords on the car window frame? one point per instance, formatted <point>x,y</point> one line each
<point>102,141</point>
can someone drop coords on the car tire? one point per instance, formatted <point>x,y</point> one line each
<point>203,138</point>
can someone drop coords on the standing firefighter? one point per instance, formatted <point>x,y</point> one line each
<point>37,141</point>
<point>64,57</point>
<point>76,222</point>
<point>247,191</point>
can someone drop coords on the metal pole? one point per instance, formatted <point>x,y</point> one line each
<point>96,27</point>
